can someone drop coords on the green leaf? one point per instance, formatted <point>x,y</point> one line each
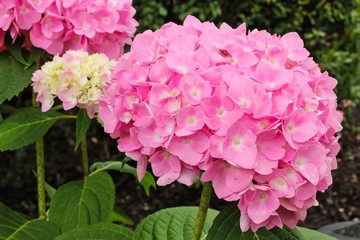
<point>147,182</point>
<point>173,224</point>
<point>82,126</point>
<point>100,231</point>
<point>49,190</point>
<point>25,126</point>
<point>118,215</point>
<point>226,226</point>
<point>13,77</point>
<point>34,54</point>
<point>13,226</point>
<point>81,203</point>
<point>15,50</point>
<point>99,121</point>
<point>314,235</point>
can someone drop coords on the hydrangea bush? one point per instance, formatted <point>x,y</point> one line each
<point>251,111</point>
<point>57,26</point>
<point>76,78</point>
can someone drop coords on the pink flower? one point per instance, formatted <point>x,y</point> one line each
<point>189,120</point>
<point>58,26</point>
<point>249,109</point>
<point>190,149</point>
<point>170,168</point>
<point>259,204</point>
<point>299,127</point>
<point>239,147</point>
<point>229,182</point>
<point>294,47</point>
<point>40,5</point>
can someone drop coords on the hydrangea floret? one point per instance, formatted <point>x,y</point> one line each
<point>76,78</point>
<point>250,110</point>
<point>57,26</point>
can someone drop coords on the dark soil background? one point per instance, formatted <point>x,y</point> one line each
<point>341,202</point>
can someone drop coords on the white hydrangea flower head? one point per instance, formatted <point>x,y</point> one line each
<point>76,78</point>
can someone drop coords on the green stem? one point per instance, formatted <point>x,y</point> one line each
<point>40,177</point>
<point>40,162</point>
<point>40,171</point>
<point>68,117</point>
<point>57,107</point>
<point>203,207</point>
<point>85,158</point>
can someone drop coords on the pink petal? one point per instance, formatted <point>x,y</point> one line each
<point>141,167</point>
<point>180,63</point>
<point>264,204</point>
<point>239,146</point>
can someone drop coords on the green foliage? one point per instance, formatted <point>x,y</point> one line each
<point>147,182</point>
<point>49,190</point>
<point>13,226</point>
<point>226,226</point>
<point>13,77</point>
<point>342,59</point>
<point>82,126</point>
<point>25,126</point>
<point>173,224</point>
<point>152,14</point>
<point>118,215</point>
<point>314,235</point>
<point>81,203</point>
<point>26,58</point>
<point>100,231</point>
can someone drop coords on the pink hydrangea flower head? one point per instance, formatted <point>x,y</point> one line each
<point>250,110</point>
<point>76,78</point>
<point>58,26</point>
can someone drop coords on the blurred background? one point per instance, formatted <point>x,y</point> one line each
<point>331,32</point>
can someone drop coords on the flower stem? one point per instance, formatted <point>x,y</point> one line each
<point>40,177</point>
<point>203,207</point>
<point>85,158</point>
<point>57,107</point>
<point>40,162</point>
<point>40,169</point>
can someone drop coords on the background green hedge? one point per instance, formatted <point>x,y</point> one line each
<point>330,29</point>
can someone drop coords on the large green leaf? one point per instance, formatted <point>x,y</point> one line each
<point>25,126</point>
<point>81,203</point>
<point>100,231</point>
<point>314,235</point>
<point>14,227</point>
<point>226,226</point>
<point>82,126</point>
<point>173,224</point>
<point>147,182</point>
<point>13,77</point>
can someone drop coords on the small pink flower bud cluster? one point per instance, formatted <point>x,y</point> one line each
<point>252,110</point>
<point>76,78</point>
<point>56,26</point>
